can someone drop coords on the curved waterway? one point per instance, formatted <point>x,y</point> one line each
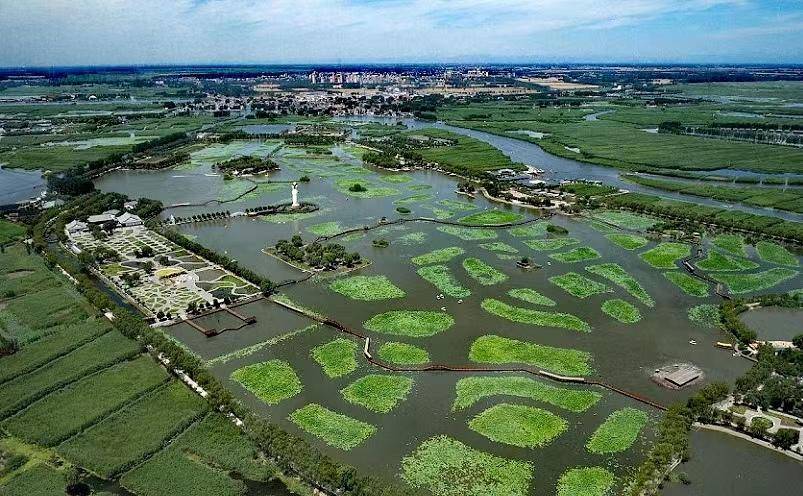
<point>559,168</point>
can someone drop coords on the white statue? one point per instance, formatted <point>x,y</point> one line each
<point>295,195</point>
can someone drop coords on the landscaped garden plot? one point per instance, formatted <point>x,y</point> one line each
<point>447,467</point>
<point>473,389</point>
<point>627,241</point>
<point>106,350</point>
<point>585,481</point>
<point>618,432</point>
<point>534,317</point>
<point>41,480</point>
<point>469,234</point>
<point>366,288</point>
<point>482,272</point>
<point>732,243</point>
<point>337,357</point>
<point>518,425</point>
<point>120,441</point>
<point>499,247</point>
<point>619,276</point>
<point>501,350</point>
<point>412,323</point>
<point>440,256</point>
<point>59,341</point>
<point>621,310</point>
<point>625,220</point>
<point>442,278</point>
<point>775,253</point>
<point>492,218</point>
<point>690,285</point>
<point>378,393</point>
<point>666,255</point>
<point>403,354</point>
<point>529,231</point>
<point>531,296</point>
<point>272,381</point>
<point>81,404</point>
<point>574,255</point>
<point>578,285</point>
<point>549,244</point>
<point>706,315</point>
<point>716,261</point>
<point>335,429</point>
<point>746,283</point>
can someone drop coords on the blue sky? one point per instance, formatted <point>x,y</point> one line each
<point>107,32</point>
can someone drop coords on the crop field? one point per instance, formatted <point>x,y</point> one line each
<point>716,261</point>
<point>518,425</point>
<point>534,317</point>
<point>482,272</point>
<point>378,393</point>
<point>403,354</point>
<point>41,480</point>
<point>470,390</point>
<point>625,220</point>
<point>618,432</point>
<point>10,231</point>
<point>578,285</point>
<point>574,255</point>
<point>775,253</point>
<point>621,310</point>
<point>412,323</point>
<point>666,255</point>
<point>333,428</point>
<point>690,285</point>
<point>272,381</point>
<point>366,288</point>
<point>501,350</point>
<point>447,467</point>
<point>732,243</point>
<point>627,241</point>
<point>337,357</point>
<point>758,281</point>
<point>442,278</point>
<point>120,441</point>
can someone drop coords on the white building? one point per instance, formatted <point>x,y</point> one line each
<point>75,227</point>
<point>129,220</point>
<point>100,219</point>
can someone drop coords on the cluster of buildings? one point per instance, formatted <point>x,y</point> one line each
<point>110,217</point>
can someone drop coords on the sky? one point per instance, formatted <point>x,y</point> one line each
<point>39,33</point>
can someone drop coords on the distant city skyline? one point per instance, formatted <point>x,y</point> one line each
<point>150,32</point>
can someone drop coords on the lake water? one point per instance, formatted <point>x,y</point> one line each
<point>17,185</point>
<point>775,324</point>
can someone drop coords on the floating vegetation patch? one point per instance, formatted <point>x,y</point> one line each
<point>621,310</point>
<point>378,392</point>
<point>358,187</point>
<point>442,278</point>
<point>414,199</point>
<point>746,283</point>
<point>442,214</point>
<point>440,256</point>
<point>706,315</point>
<point>473,389</point>
<point>518,425</point>
<point>397,179</point>
<point>666,255</point>
<point>469,234</point>
<point>529,231</point>
<point>625,220</point>
<point>287,218</point>
<point>618,432</point>
<point>413,238</point>
<point>263,189</point>
<point>534,317</point>
<point>272,381</point>
<point>619,276</point>
<point>732,243</point>
<point>531,296</point>
<point>549,244</point>
<point>500,350</point>
<point>482,272</point>
<point>412,323</point>
<point>775,253</point>
<point>403,354</point>
<point>578,285</point>
<point>250,350</point>
<point>335,429</point>
<point>627,241</point>
<point>419,187</point>
<point>325,229</point>
<point>366,288</point>
<point>585,481</point>
<point>719,262</point>
<point>456,205</point>
<point>492,218</point>
<point>337,358</point>
<point>499,247</point>
<point>574,255</point>
<point>446,467</point>
<point>689,284</point>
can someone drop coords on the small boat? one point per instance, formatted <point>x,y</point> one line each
<point>691,341</point>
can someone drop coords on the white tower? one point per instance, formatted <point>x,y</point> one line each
<point>295,195</point>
